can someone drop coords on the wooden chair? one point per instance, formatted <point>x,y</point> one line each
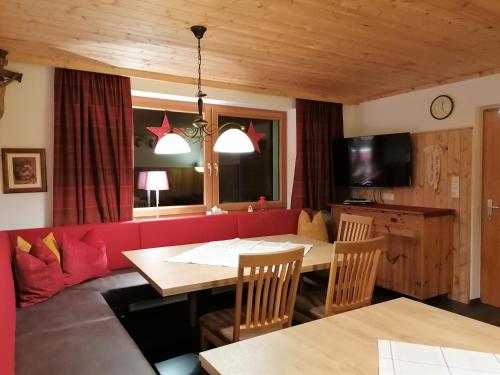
<point>271,293</point>
<point>351,228</point>
<point>354,227</point>
<point>353,272</point>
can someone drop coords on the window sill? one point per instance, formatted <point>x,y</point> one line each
<point>144,214</point>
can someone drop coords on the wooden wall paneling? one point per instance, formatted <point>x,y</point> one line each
<point>441,199</point>
<point>456,160</point>
<point>454,170</point>
<point>463,292</point>
<point>418,171</point>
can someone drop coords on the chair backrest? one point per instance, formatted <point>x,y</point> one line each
<point>352,274</point>
<point>271,293</point>
<point>354,227</point>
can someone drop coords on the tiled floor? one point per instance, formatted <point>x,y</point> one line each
<point>164,332</point>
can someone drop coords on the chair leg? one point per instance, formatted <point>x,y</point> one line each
<point>301,318</point>
<point>203,341</point>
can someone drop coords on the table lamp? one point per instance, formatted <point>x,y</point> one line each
<point>156,180</point>
<point>141,184</point>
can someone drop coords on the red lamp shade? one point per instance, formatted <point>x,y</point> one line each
<point>141,180</point>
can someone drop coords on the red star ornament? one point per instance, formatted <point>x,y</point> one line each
<point>255,137</point>
<point>165,128</point>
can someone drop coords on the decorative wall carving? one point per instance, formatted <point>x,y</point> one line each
<point>6,77</point>
<point>433,165</point>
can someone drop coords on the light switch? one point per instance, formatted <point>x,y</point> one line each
<point>455,187</point>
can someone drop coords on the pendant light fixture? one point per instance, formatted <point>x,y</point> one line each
<point>232,138</point>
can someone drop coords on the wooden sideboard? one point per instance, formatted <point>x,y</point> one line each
<point>417,260</point>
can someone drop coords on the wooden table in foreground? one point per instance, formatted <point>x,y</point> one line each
<point>347,343</point>
<point>169,278</point>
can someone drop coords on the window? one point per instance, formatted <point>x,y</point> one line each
<point>243,178</point>
<point>202,178</point>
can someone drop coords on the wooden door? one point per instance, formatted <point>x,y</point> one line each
<point>490,217</point>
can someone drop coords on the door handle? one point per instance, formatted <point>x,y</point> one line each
<point>216,167</point>
<point>489,208</point>
<point>209,167</point>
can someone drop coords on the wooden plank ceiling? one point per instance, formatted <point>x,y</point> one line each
<point>347,51</point>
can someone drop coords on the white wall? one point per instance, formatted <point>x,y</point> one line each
<point>28,123</point>
<point>410,112</point>
<point>29,118</point>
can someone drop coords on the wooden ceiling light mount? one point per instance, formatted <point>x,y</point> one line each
<point>6,77</point>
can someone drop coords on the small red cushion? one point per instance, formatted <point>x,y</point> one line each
<point>83,259</point>
<point>38,274</point>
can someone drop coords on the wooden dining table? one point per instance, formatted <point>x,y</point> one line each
<point>348,343</point>
<point>174,278</point>
<point>171,278</point>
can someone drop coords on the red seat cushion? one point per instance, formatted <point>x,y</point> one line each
<point>38,274</point>
<point>186,230</point>
<point>267,223</point>
<point>83,259</point>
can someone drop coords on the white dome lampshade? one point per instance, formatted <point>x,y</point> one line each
<point>171,144</point>
<point>233,141</point>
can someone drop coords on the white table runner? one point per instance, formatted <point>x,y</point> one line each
<point>398,358</point>
<point>226,253</point>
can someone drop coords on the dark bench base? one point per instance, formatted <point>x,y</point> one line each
<point>80,329</point>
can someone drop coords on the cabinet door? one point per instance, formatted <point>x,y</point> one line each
<point>490,219</point>
<point>401,264</point>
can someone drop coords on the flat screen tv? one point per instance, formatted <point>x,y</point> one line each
<point>374,161</point>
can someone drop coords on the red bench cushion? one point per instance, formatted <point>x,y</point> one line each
<point>124,236</point>
<point>186,230</point>
<point>7,308</point>
<point>267,223</point>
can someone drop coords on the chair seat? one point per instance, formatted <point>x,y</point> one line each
<point>311,304</point>
<point>221,324</point>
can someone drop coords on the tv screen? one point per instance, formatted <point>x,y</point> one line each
<point>374,161</point>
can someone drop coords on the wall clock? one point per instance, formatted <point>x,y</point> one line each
<point>441,107</point>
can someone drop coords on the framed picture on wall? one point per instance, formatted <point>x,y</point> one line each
<point>24,170</point>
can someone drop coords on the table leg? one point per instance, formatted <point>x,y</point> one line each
<point>193,309</point>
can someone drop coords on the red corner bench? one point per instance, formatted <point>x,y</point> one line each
<point>76,332</point>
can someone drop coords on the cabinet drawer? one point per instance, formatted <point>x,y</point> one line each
<point>396,230</point>
<point>388,218</point>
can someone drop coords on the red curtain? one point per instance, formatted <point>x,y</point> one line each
<point>93,148</point>
<point>319,124</point>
